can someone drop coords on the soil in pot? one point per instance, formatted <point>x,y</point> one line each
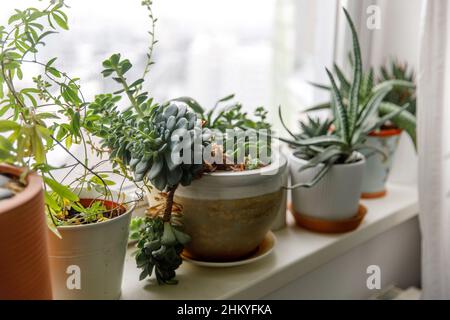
<point>109,209</point>
<point>9,186</point>
<point>228,230</point>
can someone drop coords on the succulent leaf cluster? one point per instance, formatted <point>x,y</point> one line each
<point>312,127</point>
<point>395,70</point>
<point>146,138</point>
<point>227,115</point>
<point>159,247</point>
<point>176,128</point>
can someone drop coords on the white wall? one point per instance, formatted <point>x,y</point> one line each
<point>399,33</point>
<point>396,252</point>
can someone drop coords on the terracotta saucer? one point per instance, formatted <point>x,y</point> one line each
<point>373,195</point>
<point>329,226</point>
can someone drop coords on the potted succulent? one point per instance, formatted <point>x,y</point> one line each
<point>144,138</point>
<point>79,207</point>
<point>385,138</point>
<point>244,199</point>
<point>326,167</point>
<point>164,144</point>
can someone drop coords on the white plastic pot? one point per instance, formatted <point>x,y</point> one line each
<point>87,263</point>
<point>335,197</point>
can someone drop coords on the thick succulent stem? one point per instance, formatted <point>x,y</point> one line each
<point>169,203</point>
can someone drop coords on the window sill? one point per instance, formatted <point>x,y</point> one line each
<point>297,252</point>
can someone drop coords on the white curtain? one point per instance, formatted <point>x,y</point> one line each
<point>433,141</point>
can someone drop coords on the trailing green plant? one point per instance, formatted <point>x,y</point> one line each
<point>397,77</point>
<point>28,130</point>
<point>160,245</point>
<point>230,117</point>
<point>352,122</point>
<point>142,137</point>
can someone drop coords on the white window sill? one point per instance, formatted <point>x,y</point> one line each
<point>297,252</point>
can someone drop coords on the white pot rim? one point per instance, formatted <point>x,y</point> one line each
<point>130,208</point>
<point>360,161</point>
<point>278,161</point>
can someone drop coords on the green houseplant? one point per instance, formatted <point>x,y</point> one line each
<point>386,137</point>
<point>143,135</point>
<point>245,195</point>
<point>326,167</point>
<point>36,120</point>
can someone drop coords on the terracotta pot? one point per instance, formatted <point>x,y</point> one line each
<point>378,167</point>
<point>24,265</point>
<point>87,262</point>
<point>228,214</point>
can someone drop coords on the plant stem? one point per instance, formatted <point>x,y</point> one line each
<point>82,164</point>
<point>169,203</point>
<point>129,95</point>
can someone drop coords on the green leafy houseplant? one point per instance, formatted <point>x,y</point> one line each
<point>335,142</point>
<point>40,114</point>
<point>49,113</point>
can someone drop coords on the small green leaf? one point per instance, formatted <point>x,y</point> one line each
<point>8,125</point>
<point>60,21</point>
<point>61,190</point>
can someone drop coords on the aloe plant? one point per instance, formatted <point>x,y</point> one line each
<point>337,142</point>
<point>402,91</point>
<point>395,70</point>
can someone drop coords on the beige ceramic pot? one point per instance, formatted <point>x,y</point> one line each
<point>228,214</point>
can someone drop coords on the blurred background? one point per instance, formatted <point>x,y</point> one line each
<point>265,51</point>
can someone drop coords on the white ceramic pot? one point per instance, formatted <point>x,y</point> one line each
<point>335,197</point>
<point>378,166</point>
<point>228,214</point>
<point>87,263</point>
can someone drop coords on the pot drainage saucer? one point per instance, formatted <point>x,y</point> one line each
<point>263,250</point>
<point>329,226</point>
